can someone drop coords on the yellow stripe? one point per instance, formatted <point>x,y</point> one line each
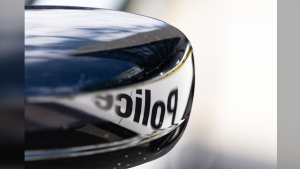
<point>174,71</point>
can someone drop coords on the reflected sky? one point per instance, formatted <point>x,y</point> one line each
<point>52,35</point>
<point>57,32</point>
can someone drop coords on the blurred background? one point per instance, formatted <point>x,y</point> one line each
<point>233,123</point>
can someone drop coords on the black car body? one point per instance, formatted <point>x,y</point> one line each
<point>103,88</point>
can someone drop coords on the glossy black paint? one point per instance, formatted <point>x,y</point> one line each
<point>120,159</point>
<point>80,53</point>
<point>73,50</point>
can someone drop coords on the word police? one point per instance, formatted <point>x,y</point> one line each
<point>106,103</point>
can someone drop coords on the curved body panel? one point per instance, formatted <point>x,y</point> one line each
<point>103,86</point>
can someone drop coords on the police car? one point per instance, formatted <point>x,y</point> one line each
<point>103,88</point>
